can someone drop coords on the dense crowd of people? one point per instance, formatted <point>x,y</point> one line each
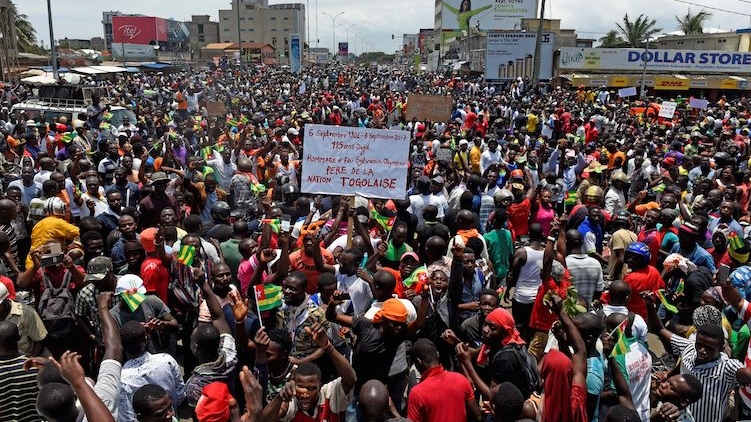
<point>562,255</point>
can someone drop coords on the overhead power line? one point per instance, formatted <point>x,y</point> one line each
<point>716,8</point>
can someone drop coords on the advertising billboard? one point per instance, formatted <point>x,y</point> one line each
<point>411,42</point>
<point>658,60</point>
<point>139,30</point>
<point>133,52</point>
<point>177,32</point>
<point>458,15</point>
<point>509,55</point>
<point>343,49</point>
<point>295,53</point>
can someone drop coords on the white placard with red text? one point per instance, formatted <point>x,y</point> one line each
<point>341,160</point>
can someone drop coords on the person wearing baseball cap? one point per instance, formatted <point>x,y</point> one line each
<point>30,326</point>
<point>152,206</point>
<point>99,278</point>
<point>688,246</point>
<point>642,278</point>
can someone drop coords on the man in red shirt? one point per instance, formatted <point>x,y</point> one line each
<point>519,210</point>
<point>642,278</point>
<point>555,278</point>
<point>154,268</point>
<point>456,401</point>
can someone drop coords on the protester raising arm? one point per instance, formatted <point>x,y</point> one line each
<point>333,316</point>
<point>579,358</point>
<point>342,366</point>
<point>72,372</point>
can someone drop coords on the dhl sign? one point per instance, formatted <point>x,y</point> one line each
<point>672,84</point>
<point>619,81</point>
<point>728,84</point>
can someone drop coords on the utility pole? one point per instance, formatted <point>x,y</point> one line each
<point>538,47</point>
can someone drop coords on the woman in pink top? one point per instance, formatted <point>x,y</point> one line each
<point>542,210</point>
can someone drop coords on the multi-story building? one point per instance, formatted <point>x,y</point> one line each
<point>260,22</point>
<point>735,41</point>
<point>202,31</point>
<point>107,26</point>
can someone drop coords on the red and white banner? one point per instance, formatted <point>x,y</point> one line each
<point>140,30</point>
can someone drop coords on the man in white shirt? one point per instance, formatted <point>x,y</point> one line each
<point>418,201</point>
<point>349,282</point>
<point>490,156</point>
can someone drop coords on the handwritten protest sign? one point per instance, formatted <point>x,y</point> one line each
<point>355,161</point>
<point>433,108</point>
<point>667,109</point>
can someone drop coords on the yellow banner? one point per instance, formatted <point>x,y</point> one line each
<point>671,84</point>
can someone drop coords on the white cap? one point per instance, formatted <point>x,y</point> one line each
<point>463,142</point>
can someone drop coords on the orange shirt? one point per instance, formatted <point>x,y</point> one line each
<point>613,156</point>
<point>299,261</point>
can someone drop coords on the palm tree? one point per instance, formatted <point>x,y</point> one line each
<point>634,33</point>
<point>693,23</point>
<point>611,40</point>
<point>25,32</point>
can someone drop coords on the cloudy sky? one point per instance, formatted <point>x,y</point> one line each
<point>374,20</point>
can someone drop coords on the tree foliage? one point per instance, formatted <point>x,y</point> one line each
<point>25,32</point>
<point>693,23</point>
<point>612,40</point>
<point>635,32</point>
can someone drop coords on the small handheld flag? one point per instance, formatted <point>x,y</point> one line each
<point>186,254</point>
<point>669,306</point>
<point>132,292</point>
<point>268,297</point>
<point>419,275</point>
<point>132,299</point>
<point>680,287</point>
<point>273,222</point>
<point>386,222</point>
<point>621,346</point>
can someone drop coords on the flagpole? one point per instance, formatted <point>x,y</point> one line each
<point>258,308</point>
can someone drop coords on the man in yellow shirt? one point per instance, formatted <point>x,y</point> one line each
<point>475,154</point>
<point>52,228</point>
<point>532,122</point>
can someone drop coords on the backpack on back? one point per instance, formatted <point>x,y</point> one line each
<point>528,364</point>
<point>56,308</point>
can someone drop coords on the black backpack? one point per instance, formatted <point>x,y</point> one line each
<point>56,308</point>
<point>528,364</point>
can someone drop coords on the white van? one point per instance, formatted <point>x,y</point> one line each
<point>50,109</point>
<point>51,103</point>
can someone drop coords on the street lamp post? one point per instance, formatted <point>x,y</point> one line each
<point>643,87</point>
<point>355,45</point>
<point>239,39</point>
<point>53,49</point>
<point>334,51</point>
